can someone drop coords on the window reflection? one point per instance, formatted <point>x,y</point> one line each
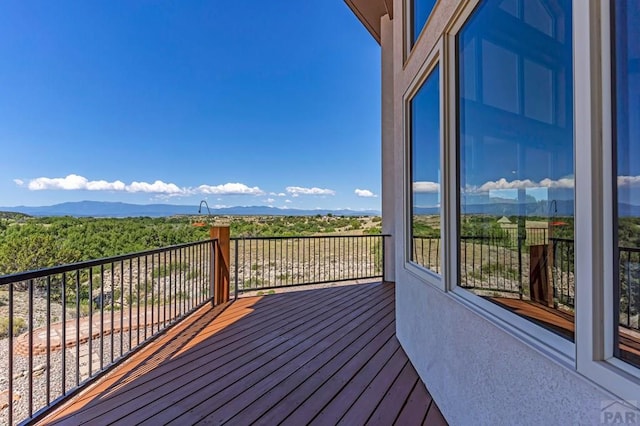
<point>627,176</point>
<point>515,124</point>
<point>425,174</point>
<point>420,11</point>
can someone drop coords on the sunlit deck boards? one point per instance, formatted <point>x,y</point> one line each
<point>562,323</point>
<point>322,356</point>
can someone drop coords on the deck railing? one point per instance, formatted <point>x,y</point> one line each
<point>629,287</point>
<point>502,266</point>
<point>66,325</point>
<point>264,263</point>
<point>69,324</point>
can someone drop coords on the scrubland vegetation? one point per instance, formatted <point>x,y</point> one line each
<point>28,243</point>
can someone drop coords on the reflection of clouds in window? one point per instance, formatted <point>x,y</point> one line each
<point>629,181</point>
<point>424,238</point>
<point>515,138</point>
<point>426,187</point>
<point>626,304</point>
<point>504,184</point>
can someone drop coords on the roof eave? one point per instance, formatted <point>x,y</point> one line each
<point>369,13</point>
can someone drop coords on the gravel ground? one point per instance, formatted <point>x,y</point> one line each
<point>39,375</point>
<point>21,369</point>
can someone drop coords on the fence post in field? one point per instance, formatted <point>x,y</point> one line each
<point>221,268</point>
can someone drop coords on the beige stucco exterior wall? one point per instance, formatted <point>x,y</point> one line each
<point>478,372</point>
<point>388,159</point>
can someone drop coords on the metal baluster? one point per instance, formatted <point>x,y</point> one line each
<point>30,373</point>
<point>48,340</point>
<point>64,334</point>
<point>77,327</point>
<point>10,366</point>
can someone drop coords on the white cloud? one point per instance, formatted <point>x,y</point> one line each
<point>269,201</point>
<point>103,185</point>
<point>156,187</point>
<point>566,183</point>
<point>288,201</point>
<point>230,189</point>
<point>277,194</point>
<point>297,190</point>
<point>425,186</point>
<point>365,193</point>
<point>502,184</point>
<point>629,181</point>
<point>74,182</point>
<point>70,182</point>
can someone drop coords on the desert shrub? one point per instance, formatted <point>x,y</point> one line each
<point>19,325</point>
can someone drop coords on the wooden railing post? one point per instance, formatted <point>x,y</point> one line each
<point>221,271</point>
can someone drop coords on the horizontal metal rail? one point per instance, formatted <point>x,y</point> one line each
<point>493,265</point>
<point>68,324</point>
<point>265,263</point>
<point>24,276</point>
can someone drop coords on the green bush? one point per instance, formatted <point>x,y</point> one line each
<point>19,325</point>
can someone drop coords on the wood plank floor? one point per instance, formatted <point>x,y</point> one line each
<point>324,356</point>
<point>562,323</point>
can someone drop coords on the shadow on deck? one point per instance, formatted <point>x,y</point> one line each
<point>324,356</point>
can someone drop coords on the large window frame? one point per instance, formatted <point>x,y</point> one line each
<point>595,311</point>
<point>432,62</point>
<point>592,355</point>
<point>545,341</point>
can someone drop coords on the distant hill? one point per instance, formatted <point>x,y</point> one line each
<point>563,208</point>
<point>509,208</point>
<point>12,215</point>
<point>116,209</point>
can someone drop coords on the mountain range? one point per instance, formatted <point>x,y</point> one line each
<point>116,209</point>
<point>562,208</point>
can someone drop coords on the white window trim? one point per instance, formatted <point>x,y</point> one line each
<point>544,341</point>
<point>593,100</point>
<point>432,61</point>
<point>592,355</point>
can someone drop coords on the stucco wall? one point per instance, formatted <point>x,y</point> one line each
<point>477,372</point>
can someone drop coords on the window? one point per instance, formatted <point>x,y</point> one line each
<point>425,174</point>
<point>626,123</point>
<point>516,159</point>
<point>420,11</point>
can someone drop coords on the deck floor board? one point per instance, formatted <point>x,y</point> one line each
<point>315,355</point>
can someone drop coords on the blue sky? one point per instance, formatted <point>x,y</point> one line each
<point>239,103</point>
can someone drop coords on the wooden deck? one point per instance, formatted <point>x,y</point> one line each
<point>562,323</point>
<point>327,356</point>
